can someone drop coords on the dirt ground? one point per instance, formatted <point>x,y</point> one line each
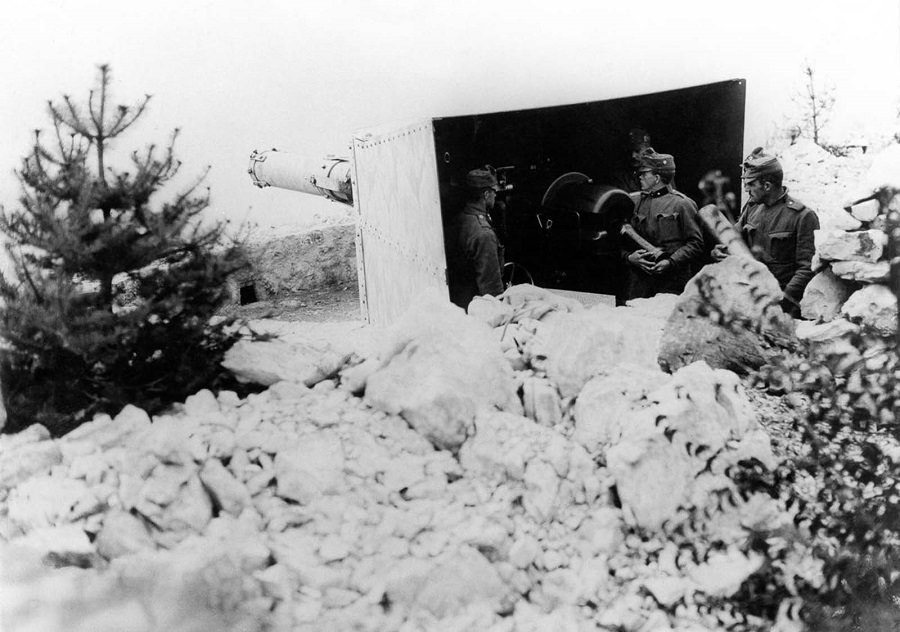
<point>323,304</point>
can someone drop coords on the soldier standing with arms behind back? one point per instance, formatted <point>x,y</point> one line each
<point>777,228</point>
<point>668,220</point>
<point>474,255</point>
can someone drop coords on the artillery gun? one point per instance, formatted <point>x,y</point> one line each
<point>567,186</point>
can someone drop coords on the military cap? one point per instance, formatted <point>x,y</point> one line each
<point>759,164</point>
<point>650,159</point>
<point>481,179</point>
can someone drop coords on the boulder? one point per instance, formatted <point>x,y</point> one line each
<point>657,464</point>
<point>841,245</point>
<point>541,401</point>
<point>723,573</point>
<point>226,491</point>
<point>450,585</point>
<point>659,306</point>
<point>437,369</point>
<point>103,431</point>
<point>606,404</point>
<point>61,543</point>
<point>571,348</point>
<point>312,466</point>
<point>729,317</point>
<point>269,361</point>
<point>531,301</point>
<point>122,534</point>
<point>865,211</point>
<point>551,469</point>
<point>874,307</point>
<point>26,454</point>
<point>862,271</point>
<point>823,297</point>
<point>490,310</point>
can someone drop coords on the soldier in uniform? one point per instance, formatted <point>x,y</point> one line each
<point>668,220</point>
<point>777,228</point>
<point>474,255</point>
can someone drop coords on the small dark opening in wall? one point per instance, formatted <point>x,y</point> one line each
<point>248,294</point>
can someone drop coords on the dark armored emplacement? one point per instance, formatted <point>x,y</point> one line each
<point>566,173</point>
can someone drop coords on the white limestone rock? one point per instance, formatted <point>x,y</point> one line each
<point>65,541</point>
<point>438,369</point>
<point>840,245</point>
<point>26,454</point>
<point>656,464</point>
<point>723,572</point>
<point>49,500</point>
<point>667,590</point>
<point>824,296</point>
<point>540,400</point>
<point>737,289</point>
<point>652,480</point>
<point>533,302</point>
<point>168,439</point>
<point>509,447</point>
<point>122,534</point>
<point>874,307</point>
<point>313,465</point>
<point>190,511</point>
<point>524,551</point>
<point>226,491</point>
<point>571,359</point>
<point>490,310</point>
<point>103,431</point>
<point>861,271</point>
<point>605,405</point>
<point>447,586</point>
<point>705,406</point>
<point>659,306</point>
<point>865,211</point>
<point>601,533</point>
<point>270,361</point>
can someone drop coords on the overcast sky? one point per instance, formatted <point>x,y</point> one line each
<point>303,76</point>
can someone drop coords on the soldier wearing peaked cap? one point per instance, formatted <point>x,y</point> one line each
<point>474,254</point>
<point>777,228</point>
<point>667,219</point>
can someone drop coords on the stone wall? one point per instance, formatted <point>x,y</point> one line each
<point>853,279</point>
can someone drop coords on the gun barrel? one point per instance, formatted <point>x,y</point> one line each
<point>326,177</point>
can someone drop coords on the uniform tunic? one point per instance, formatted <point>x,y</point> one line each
<point>781,236</point>
<point>667,219</point>
<point>474,256</point>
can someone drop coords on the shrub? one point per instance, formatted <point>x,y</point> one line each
<point>113,300</point>
<point>850,428</point>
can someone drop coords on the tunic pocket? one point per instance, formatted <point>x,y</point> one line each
<point>782,246</point>
<point>669,228</point>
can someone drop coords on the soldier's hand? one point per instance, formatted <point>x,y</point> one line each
<point>638,258</point>
<point>661,266</point>
<point>719,252</point>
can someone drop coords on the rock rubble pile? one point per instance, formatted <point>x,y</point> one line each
<point>524,467</point>
<point>853,270</point>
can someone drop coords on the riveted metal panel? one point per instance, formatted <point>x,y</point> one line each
<point>400,243</point>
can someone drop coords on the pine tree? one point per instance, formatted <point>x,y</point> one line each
<point>114,300</point>
<point>816,101</point>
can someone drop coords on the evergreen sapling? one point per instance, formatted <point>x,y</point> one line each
<point>114,300</point>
